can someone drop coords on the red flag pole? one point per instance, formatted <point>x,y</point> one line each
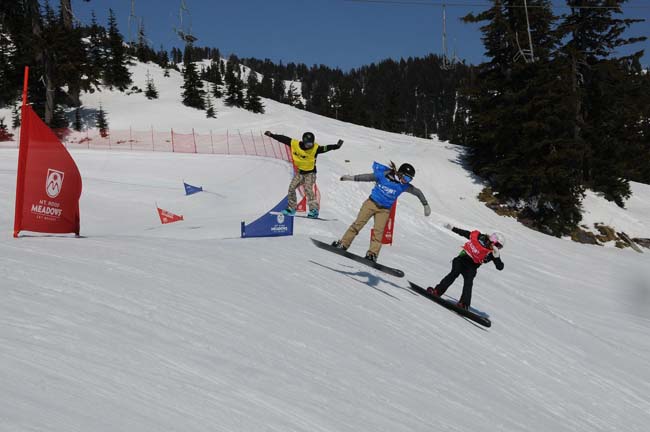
<point>22,157</point>
<point>25,86</point>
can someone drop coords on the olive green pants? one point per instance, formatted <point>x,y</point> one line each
<point>307,180</point>
<point>368,209</point>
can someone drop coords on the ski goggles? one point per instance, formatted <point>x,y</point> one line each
<point>495,241</point>
<point>404,178</point>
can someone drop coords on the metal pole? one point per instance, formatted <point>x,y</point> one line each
<point>530,38</point>
<point>242,142</point>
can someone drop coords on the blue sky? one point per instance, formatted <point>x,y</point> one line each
<point>337,33</point>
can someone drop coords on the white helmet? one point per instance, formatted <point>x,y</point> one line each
<point>498,239</point>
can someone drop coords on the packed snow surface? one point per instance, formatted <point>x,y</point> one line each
<point>140,326</point>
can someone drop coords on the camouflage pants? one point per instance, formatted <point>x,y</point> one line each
<point>307,180</point>
<point>368,209</point>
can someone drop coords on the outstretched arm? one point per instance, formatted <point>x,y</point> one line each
<point>326,148</point>
<point>418,193</point>
<point>459,231</point>
<point>359,177</point>
<point>283,139</point>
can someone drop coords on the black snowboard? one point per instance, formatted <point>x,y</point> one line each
<point>480,319</point>
<point>390,270</point>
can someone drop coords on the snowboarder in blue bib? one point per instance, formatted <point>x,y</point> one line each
<point>390,182</point>
<point>304,155</point>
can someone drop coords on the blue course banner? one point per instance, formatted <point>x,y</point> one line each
<point>272,224</point>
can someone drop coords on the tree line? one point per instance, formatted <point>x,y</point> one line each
<point>566,114</point>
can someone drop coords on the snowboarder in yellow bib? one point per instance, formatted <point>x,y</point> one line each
<point>304,154</point>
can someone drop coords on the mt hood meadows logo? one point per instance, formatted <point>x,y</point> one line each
<point>54,183</point>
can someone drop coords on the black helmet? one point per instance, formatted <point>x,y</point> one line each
<point>308,139</point>
<point>407,169</point>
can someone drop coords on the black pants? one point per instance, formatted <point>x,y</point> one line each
<point>461,265</point>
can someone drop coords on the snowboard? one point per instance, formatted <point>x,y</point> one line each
<point>317,218</point>
<point>477,318</point>
<point>389,270</point>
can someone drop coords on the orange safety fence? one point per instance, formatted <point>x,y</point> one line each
<point>231,142</point>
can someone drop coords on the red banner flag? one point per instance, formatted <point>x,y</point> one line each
<point>387,238</point>
<point>48,185</point>
<point>168,217</point>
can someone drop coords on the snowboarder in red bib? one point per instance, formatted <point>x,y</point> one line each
<point>390,182</point>
<point>480,249</point>
<point>304,155</point>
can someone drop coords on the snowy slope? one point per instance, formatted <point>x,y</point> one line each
<point>145,327</point>
<point>167,111</point>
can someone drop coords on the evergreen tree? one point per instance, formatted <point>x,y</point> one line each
<point>102,122</point>
<point>95,53</point>
<point>42,41</point>
<point>253,101</point>
<point>70,54</point>
<point>4,133</point>
<point>520,131</point>
<point>278,91</point>
<point>143,51</point>
<point>209,107</point>
<point>334,100</point>
<point>116,73</point>
<point>177,55</point>
<point>7,66</point>
<point>214,55</point>
<point>592,36</point>
<point>162,58</point>
<point>193,93</point>
<point>635,102</point>
<point>234,86</point>
<point>292,95</point>
<point>213,76</point>
<point>216,91</point>
<point>59,120</point>
<point>217,78</point>
<point>77,125</point>
<point>150,90</point>
<point>266,86</point>
<point>15,116</point>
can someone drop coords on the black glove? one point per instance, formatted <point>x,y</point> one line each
<point>340,143</point>
<point>268,133</point>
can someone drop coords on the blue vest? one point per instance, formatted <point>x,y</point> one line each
<point>385,192</point>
